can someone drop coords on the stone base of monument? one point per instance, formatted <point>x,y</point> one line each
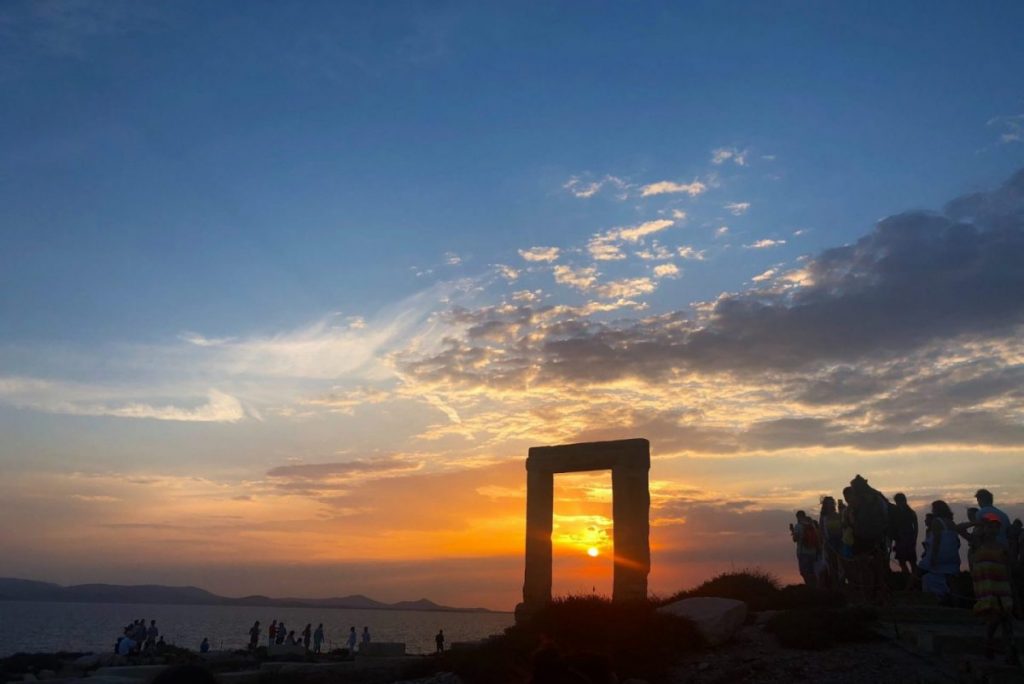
<point>382,649</point>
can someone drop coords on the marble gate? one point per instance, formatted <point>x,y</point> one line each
<point>630,461</point>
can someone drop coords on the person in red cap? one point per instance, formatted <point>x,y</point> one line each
<point>992,593</point>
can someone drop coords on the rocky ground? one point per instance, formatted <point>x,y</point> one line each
<point>755,656</point>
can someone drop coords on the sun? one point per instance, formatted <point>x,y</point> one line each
<point>592,552</point>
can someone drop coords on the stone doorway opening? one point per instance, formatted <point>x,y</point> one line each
<point>582,534</point>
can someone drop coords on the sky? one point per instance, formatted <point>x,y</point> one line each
<point>287,292</point>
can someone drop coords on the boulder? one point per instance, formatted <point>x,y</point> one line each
<point>89,661</point>
<point>717,619</point>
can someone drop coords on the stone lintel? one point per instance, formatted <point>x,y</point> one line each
<point>622,454</point>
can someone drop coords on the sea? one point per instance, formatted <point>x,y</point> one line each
<point>46,627</point>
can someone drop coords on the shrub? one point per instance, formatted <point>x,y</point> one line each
<point>585,634</point>
<point>755,587</point>
<point>802,596</point>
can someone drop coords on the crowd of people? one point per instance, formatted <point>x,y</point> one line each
<point>852,543</point>
<point>137,637</point>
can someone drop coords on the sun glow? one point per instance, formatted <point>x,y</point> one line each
<point>593,552</point>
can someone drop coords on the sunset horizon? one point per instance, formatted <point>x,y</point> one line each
<point>287,295</point>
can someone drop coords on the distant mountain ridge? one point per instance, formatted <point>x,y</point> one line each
<point>13,589</point>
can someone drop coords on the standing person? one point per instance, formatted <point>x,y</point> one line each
<point>254,636</point>
<point>830,523</point>
<point>281,633</point>
<point>439,640</point>
<point>871,534</point>
<point>307,634</point>
<point>1017,566</point>
<point>942,560</point>
<point>272,633</point>
<point>204,647</point>
<point>806,539</point>
<point>318,638</point>
<point>968,531</point>
<point>905,538</point>
<point>986,507</point>
<point>351,640</point>
<point>992,592</point>
<point>139,634</point>
<point>151,634</point>
<point>365,639</point>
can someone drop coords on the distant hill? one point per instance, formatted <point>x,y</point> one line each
<point>12,589</point>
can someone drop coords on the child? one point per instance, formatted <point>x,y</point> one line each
<point>991,575</point>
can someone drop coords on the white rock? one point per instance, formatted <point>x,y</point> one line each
<point>717,619</point>
<point>87,662</point>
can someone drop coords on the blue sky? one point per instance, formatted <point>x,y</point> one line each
<point>234,232</point>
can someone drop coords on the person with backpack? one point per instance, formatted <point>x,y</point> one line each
<point>808,545</point>
<point>905,538</point>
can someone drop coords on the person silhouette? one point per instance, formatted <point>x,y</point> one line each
<point>318,638</point>
<point>365,639</point>
<point>254,636</point>
<point>352,640</point>
<point>439,640</point>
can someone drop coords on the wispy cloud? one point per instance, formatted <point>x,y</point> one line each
<point>585,189</point>
<point>721,155</point>
<point>580,278</point>
<point>666,271</point>
<point>1010,127</point>
<point>737,208</point>
<point>765,243</point>
<point>507,272</point>
<point>120,402</point>
<point>606,246</point>
<point>542,254</point>
<point>625,288</point>
<point>671,187</point>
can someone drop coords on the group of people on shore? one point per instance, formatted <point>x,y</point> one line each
<point>852,542</point>
<point>312,640</point>
<point>137,637</point>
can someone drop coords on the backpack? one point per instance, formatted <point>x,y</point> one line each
<point>809,536</point>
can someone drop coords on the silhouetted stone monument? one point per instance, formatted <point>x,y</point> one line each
<point>630,461</point>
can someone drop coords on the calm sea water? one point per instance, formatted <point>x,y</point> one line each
<point>31,626</point>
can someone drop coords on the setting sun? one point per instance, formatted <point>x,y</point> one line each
<point>592,552</point>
